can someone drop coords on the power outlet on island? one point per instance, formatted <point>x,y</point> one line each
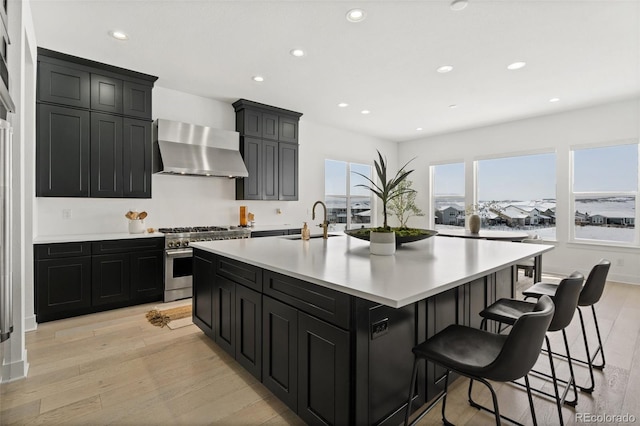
<point>379,328</point>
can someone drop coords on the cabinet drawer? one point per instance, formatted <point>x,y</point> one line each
<point>58,250</point>
<point>324,303</point>
<point>240,272</point>
<point>120,246</point>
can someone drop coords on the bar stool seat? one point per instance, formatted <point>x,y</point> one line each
<point>482,356</point>
<point>505,311</point>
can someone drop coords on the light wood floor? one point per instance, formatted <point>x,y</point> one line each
<point>116,368</point>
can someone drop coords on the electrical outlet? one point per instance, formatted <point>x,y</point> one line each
<point>66,213</point>
<point>379,328</point>
<point>620,262</point>
<point>278,211</point>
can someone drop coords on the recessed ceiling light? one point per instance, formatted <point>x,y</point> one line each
<point>343,105</point>
<point>258,78</point>
<point>297,53</point>
<point>459,4</point>
<point>452,106</point>
<point>554,99</point>
<point>119,35</point>
<point>356,15</point>
<point>365,111</point>
<point>445,68</point>
<point>419,129</point>
<point>516,65</point>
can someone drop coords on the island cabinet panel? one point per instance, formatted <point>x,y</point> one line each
<point>280,350</point>
<point>321,302</point>
<point>239,272</point>
<point>323,372</point>
<point>203,283</point>
<point>249,330</point>
<point>224,317</point>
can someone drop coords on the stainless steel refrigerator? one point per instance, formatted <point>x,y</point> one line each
<point>6,298</point>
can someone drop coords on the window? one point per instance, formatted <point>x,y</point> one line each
<point>518,193</point>
<point>348,206</point>
<point>605,193</point>
<point>448,194</point>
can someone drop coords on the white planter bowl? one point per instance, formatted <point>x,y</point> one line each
<point>382,243</point>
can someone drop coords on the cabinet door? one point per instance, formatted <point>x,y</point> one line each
<point>270,126</point>
<point>280,350</point>
<point>137,100</point>
<point>62,152</point>
<point>288,129</point>
<point>323,372</point>
<point>288,172</point>
<point>62,286</point>
<point>203,289</point>
<point>270,170</point>
<point>106,155</point>
<point>147,277</point>
<point>106,94</point>
<point>110,281</point>
<point>250,188</point>
<point>136,160</point>
<point>224,318</point>
<point>249,330</point>
<point>63,85</point>
<point>251,123</point>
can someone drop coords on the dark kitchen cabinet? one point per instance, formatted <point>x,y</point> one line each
<point>248,313</point>
<point>136,158</point>
<point>324,373</point>
<point>118,102</point>
<point>110,278</point>
<point>203,289</point>
<point>106,94</point>
<point>147,280</point>
<point>288,172</point>
<point>64,84</point>
<point>84,277</point>
<point>280,350</point>
<point>62,285</point>
<point>106,155</point>
<point>269,147</point>
<point>63,151</point>
<point>224,314</point>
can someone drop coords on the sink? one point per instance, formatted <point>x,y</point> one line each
<point>314,236</point>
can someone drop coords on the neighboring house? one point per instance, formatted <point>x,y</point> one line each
<point>514,216</point>
<point>612,218</point>
<point>450,215</point>
<point>581,218</point>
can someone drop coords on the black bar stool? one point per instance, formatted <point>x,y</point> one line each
<point>589,296</point>
<point>481,355</point>
<point>507,311</point>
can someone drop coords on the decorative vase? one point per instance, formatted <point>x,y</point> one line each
<point>382,243</point>
<point>474,223</point>
<point>136,226</point>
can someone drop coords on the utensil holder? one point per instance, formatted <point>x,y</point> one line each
<point>136,226</point>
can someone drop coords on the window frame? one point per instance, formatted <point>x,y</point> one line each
<point>348,187</point>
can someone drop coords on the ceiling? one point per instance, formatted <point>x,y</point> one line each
<point>582,52</point>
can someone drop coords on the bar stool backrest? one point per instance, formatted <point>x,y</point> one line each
<point>594,286</point>
<point>566,300</point>
<point>522,346</point>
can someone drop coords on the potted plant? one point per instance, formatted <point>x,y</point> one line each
<point>383,239</point>
<point>404,206</point>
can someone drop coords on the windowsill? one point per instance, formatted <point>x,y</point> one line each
<point>599,244</point>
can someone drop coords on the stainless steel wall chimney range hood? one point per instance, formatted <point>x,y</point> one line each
<point>188,149</point>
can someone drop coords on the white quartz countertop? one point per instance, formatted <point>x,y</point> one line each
<point>418,270</point>
<point>71,238</point>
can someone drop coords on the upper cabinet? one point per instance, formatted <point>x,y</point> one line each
<point>93,129</point>
<point>269,146</point>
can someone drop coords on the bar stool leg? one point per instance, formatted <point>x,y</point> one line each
<point>600,347</point>
<point>444,400</point>
<point>572,379</point>
<point>411,388</point>
<point>586,348</point>
<point>555,381</point>
<point>533,410</point>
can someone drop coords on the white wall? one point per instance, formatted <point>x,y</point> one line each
<point>190,200</point>
<point>619,121</point>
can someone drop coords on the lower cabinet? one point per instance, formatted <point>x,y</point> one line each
<point>84,277</point>
<point>306,363</point>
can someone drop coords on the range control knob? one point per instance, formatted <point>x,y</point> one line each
<point>185,243</point>
<point>171,244</point>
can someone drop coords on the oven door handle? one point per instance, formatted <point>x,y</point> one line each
<point>180,253</point>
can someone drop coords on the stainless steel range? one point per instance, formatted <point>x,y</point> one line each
<point>178,269</point>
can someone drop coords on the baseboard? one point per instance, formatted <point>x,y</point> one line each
<point>30,323</point>
<point>16,370</point>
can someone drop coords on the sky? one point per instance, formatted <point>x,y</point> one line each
<point>530,177</point>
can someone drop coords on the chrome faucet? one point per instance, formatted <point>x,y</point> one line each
<point>325,223</point>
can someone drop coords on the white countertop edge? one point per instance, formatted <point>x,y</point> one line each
<point>369,296</point>
<point>72,238</point>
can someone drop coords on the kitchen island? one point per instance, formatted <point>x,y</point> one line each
<point>329,328</point>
